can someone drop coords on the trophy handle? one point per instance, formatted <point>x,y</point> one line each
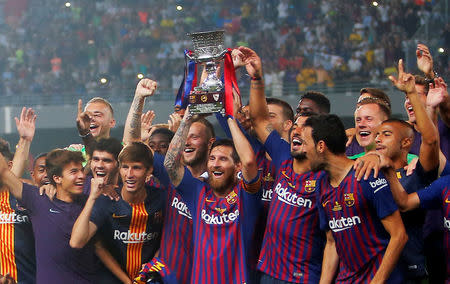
<point>188,56</point>
<point>221,55</point>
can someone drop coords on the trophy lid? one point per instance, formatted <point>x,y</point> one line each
<point>208,44</point>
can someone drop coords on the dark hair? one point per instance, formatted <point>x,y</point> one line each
<point>110,145</point>
<point>330,129</point>
<point>422,81</point>
<point>209,127</point>
<point>163,131</point>
<point>376,94</point>
<point>227,143</point>
<point>400,121</point>
<point>137,152</point>
<point>5,150</point>
<point>320,99</point>
<point>288,113</point>
<point>57,159</point>
<point>103,101</point>
<point>41,155</point>
<point>383,107</point>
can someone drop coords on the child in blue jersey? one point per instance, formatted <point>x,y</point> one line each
<point>365,233</point>
<point>224,209</point>
<point>132,224</point>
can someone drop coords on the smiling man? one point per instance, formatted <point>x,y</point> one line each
<point>132,225</point>
<point>224,209</point>
<point>56,262</point>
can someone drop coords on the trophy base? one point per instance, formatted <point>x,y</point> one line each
<point>202,102</point>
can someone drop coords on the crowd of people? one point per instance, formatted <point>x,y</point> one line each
<point>289,196</point>
<point>48,49</point>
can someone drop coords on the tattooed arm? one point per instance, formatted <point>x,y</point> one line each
<point>259,112</point>
<point>132,131</point>
<point>172,162</point>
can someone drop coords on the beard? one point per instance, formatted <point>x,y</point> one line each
<point>299,156</point>
<point>199,158</point>
<point>221,186</point>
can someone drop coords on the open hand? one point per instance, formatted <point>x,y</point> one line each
<point>26,125</point>
<point>252,62</point>
<point>437,92</point>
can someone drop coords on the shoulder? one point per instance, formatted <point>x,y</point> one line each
<point>374,184</point>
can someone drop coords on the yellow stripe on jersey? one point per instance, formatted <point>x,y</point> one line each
<point>7,257</point>
<point>138,225</point>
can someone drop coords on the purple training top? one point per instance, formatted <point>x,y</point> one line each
<point>52,221</point>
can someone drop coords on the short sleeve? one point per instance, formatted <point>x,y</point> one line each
<point>159,171</point>
<point>189,189</point>
<point>101,210</point>
<point>278,149</point>
<point>30,196</point>
<point>378,192</point>
<point>431,196</point>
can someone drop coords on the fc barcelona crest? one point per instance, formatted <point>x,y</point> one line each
<point>349,200</point>
<point>232,197</point>
<point>310,185</point>
<point>191,99</point>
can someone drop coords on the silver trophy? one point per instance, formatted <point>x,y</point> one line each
<point>208,49</point>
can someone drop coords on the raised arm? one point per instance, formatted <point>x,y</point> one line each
<point>259,112</point>
<point>83,125</point>
<point>84,229</point>
<point>429,149</point>
<point>172,161</point>
<point>26,126</point>
<point>7,177</point>
<point>132,131</point>
<point>244,150</point>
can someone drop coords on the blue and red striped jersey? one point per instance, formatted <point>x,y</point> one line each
<point>353,212</point>
<point>131,231</point>
<point>223,230</point>
<point>293,243</point>
<point>177,237</point>
<point>437,195</point>
<point>17,255</point>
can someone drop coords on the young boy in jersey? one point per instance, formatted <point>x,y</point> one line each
<point>224,209</point>
<point>131,225</point>
<point>365,233</point>
<point>293,244</point>
<point>52,221</point>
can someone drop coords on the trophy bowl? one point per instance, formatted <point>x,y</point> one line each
<point>208,46</point>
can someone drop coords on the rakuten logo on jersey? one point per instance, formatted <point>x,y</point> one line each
<point>267,195</point>
<point>379,184</point>
<point>343,223</point>
<point>219,220</point>
<point>134,238</point>
<point>13,218</point>
<point>291,198</point>
<point>447,223</point>
<point>181,207</point>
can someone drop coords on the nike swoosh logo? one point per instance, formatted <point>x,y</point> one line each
<point>447,201</point>
<point>207,200</point>
<point>54,211</point>
<point>118,216</point>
